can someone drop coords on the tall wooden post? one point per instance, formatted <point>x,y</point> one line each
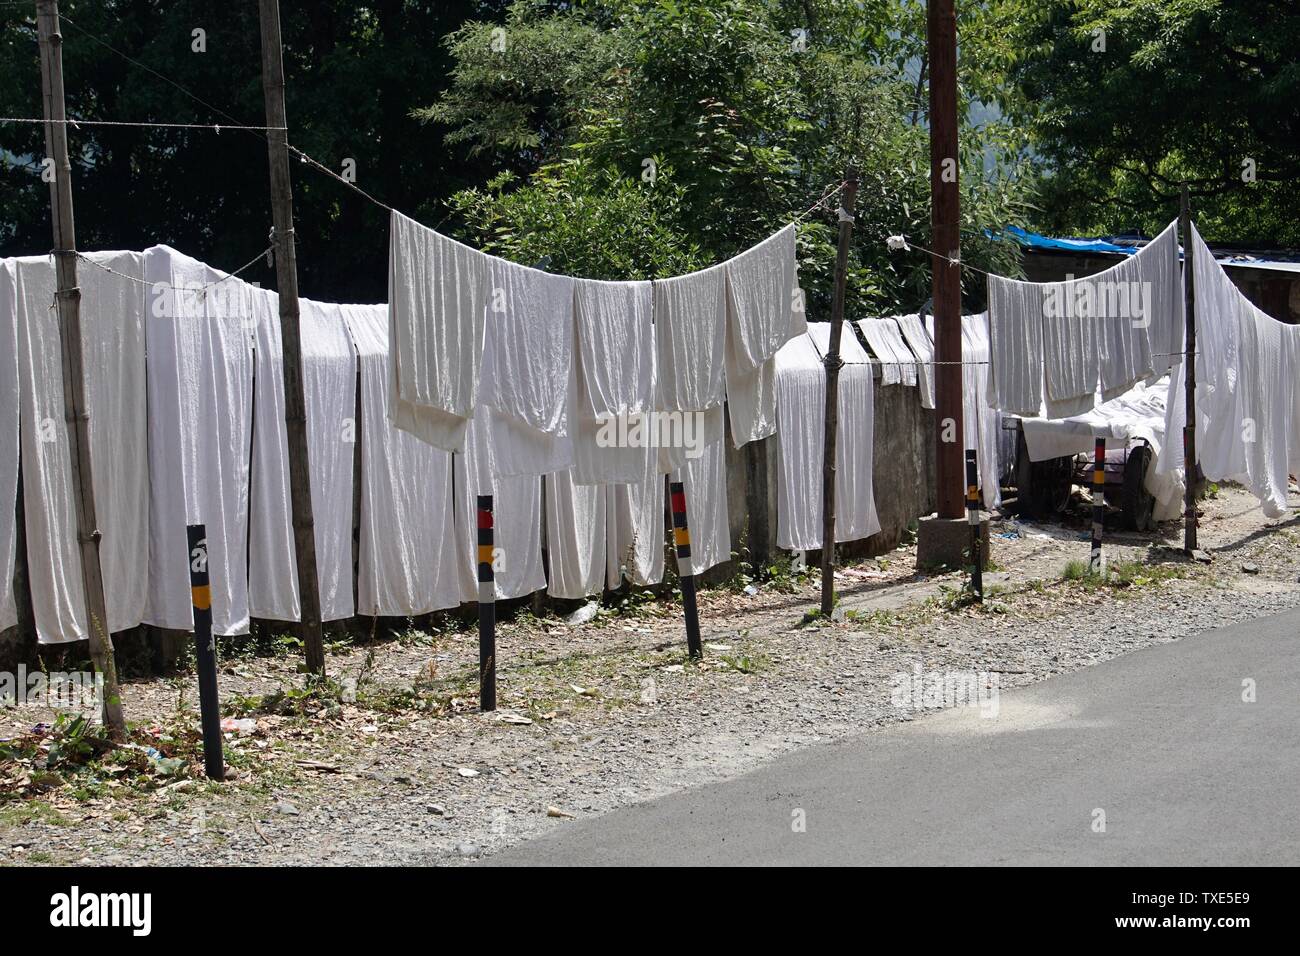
<point>1190,471</point>
<point>72,362</point>
<point>833,364</point>
<point>286,278</point>
<point>945,228</point>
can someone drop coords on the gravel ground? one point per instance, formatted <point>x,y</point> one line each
<point>611,712</point>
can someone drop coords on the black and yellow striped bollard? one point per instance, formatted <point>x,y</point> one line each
<point>205,649</point>
<point>973,517</point>
<point>487,609</point>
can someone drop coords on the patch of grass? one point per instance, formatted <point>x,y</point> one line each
<point>31,811</point>
<point>747,663</point>
<point>1121,575</point>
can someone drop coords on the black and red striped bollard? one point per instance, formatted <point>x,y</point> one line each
<point>1098,502</point>
<point>682,541</point>
<point>973,517</point>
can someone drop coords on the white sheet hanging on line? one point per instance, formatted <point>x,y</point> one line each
<point>704,481</point>
<point>1246,366</point>
<point>112,310</point>
<point>407,557</point>
<point>1015,346</point>
<point>517,518</point>
<point>576,537</point>
<point>615,349</point>
<point>438,291</point>
<point>9,400</point>
<point>690,316</point>
<point>200,377</point>
<point>761,283</point>
<point>801,410</point>
<point>329,386</point>
<point>920,344</point>
<point>1066,346</point>
<point>527,369</point>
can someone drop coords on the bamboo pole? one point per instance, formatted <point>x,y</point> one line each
<point>1190,471</point>
<point>286,277</point>
<point>72,362</point>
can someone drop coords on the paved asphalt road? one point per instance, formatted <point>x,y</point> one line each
<point>1160,739</point>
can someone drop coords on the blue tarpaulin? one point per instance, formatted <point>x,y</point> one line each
<point>1032,240</point>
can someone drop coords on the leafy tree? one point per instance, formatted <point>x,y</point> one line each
<point>1125,99</point>
<point>352,74</point>
<point>744,112</point>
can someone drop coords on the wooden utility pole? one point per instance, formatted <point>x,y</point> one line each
<point>833,363</point>
<point>1190,471</point>
<point>72,361</point>
<point>286,278</point>
<point>945,229</point>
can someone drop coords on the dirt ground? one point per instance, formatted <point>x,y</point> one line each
<point>391,763</point>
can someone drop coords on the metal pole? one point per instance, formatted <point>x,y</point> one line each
<point>1098,503</point>
<point>973,516</point>
<point>487,609</point>
<point>310,630</point>
<point>205,651</point>
<point>833,364</point>
<point>1190,469</point>
<point>76,414</point>
<point>945,228</point>
<point>682,539</point>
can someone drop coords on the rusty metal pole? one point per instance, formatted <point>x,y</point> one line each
<point>945,220</point>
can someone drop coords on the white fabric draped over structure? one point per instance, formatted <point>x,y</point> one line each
<point>801,413</point>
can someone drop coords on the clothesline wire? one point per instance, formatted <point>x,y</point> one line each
<point>216,127</point>
<point>170,82</point>
<point>202,289</point>
<point>951,260</point>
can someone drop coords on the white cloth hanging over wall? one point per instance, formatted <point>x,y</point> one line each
<point>527,367</point>
<point>615,355</point>
<point>885,339</point>
<point>329,386</point>
<point>918,341</point>
<point>9,400</point>
<point>981,422</point>
<point>517,517</point>
<point>438,291</point>
<point>112,310</point>
<point>704,481</point>
<point>1246,366</point>
<point>576,537</point>
<point>851,350</point>
<point>801,410</point>
<point>407,557</point>
<point>200,379</point>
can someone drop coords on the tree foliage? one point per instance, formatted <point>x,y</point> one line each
<point>1126,99</point>
<point>744,113</point>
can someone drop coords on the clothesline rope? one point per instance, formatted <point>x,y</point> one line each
<point>202,290</point>
<point>215,127</point>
